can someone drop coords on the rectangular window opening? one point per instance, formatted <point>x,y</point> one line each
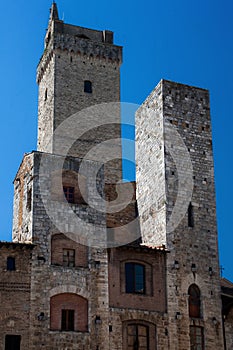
<point>69,257</point>
<point>67,320</point>
<point>196,338</point>
<point>12,342</point>
<point>69,193</point>
<point>134,278</point>
<point>190,216</point>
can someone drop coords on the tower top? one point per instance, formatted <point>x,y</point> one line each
<point>54,12</point>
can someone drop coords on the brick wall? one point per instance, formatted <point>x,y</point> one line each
<point>155,295</point>
<point>71,302</point>
<point>15,292</point>
<point>60,242</point>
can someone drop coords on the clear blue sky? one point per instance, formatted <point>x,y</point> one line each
<point>186,41</point>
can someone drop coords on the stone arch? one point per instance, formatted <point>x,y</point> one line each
<point>69,288</point>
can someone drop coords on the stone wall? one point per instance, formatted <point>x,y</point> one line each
<point>185,154</point>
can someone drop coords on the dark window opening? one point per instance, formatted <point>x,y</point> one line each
<point>196,338</point>
<point>67,320</point>
<point>194,301</point>
<point>12,342</point>
<point>190,216</point>
<point>137,337</point>
<point>46,95</point>
<point>134,278</point>
<point>88,86</point>
<point>69,257</point>
<point>10,264</point>
<point>69,193</point>
<point>29,200</point>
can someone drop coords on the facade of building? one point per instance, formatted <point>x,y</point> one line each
<point>161,290</point>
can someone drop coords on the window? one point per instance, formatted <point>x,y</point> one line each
<point>194,301</point>
<point>68,312</point>
<point>69,257</point>
<point>134,278</point>
<point>69,193</point>
<point>190,216</point>
<point>29,200</point>
<point>46,95</point>
<point>196,338</point>
<point>12,342</point>
<point>88,86</point>
<point>10,264</point>
<point>67,320</point>
<point>137,337</point>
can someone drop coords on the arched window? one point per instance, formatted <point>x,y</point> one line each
<point>194,301</point>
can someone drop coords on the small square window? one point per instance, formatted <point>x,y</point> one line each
<point>88,86</point>
<point>69,257</point>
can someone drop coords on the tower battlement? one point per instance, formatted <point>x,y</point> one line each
<point>92,44</point>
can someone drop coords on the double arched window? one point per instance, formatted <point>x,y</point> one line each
<point>194,301</point>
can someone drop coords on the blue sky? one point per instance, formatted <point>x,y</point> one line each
<point>186,41</point>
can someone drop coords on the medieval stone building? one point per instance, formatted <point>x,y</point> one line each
<point>103,284</point>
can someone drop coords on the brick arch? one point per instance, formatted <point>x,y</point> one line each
<point>72,302</point>
<point>69,288</point>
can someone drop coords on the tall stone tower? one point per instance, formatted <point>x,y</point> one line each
<point>176,203</point>
<point>63,286</point>
<point>79,68</point>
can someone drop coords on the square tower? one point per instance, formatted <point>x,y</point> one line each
<point>176,203</point>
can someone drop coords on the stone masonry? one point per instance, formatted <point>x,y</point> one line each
<point>65,284</point>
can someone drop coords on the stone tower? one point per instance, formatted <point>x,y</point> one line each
<point>62,286</point>
<point>176,203</point>
<point>79,68</point>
